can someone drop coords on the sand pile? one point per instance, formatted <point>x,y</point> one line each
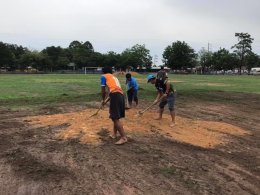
<point>205,134</point>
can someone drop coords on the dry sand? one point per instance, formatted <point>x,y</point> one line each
<point>73,125</point>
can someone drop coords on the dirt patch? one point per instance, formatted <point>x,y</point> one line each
<point>213,149</point>
<point>26,163</point>
<point>79,125</point>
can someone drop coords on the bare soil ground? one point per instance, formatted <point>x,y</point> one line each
<point>213,149</point>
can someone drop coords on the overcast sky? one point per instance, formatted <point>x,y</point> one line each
<point>113,25</point>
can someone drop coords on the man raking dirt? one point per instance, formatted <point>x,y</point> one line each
<point>117,102</point>
<point>165,94</point>
<point>132,89</point>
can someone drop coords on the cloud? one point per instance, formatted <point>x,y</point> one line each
<point>118,24</point>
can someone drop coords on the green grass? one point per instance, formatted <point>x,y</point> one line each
<point>168,170</point>
<point>215,87</point>
<point>47,89</point>
<point>33,90</point>
<point>242,84</point>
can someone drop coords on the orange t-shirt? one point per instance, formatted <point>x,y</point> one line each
<point>111,82</point>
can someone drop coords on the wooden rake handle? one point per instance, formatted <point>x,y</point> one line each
<point>143,111</point>
<point>101,106</point>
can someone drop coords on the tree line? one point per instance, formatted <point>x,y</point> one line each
<point>177,56</point>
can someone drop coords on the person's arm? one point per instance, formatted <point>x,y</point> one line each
<point>103,93</point>
<point>103,88</point>
<point>168,88</point>
<point>159,95</point>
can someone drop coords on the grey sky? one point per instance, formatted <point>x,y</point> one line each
<point>119,24</point>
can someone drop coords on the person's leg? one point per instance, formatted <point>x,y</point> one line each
<point>161,108</point>
<point>112,112</point>
<point>113,136</point>
<point>173,118</point>
<point>117,111</point>
<point>119,126</point>
<point>135,97</point>
<point>130,98</point>
<point>171,101</point>
<point>160,114</point>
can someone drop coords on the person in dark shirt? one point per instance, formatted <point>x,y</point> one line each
<point>165,89</point>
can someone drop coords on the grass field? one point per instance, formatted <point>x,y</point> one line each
<point>31,90</point>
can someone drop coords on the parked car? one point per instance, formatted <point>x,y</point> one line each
<point>255,71</point>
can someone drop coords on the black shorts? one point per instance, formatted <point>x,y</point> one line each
<point>117,106</point>
<point>132,95</point>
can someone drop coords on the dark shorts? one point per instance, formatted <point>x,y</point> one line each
<point>170,100</point>
<point>117,106</point>
<point>132,95</point>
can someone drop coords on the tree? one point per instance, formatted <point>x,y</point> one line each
<point>95,59</point>
<point>7,58</point>
<point>205,59</point>
<point>179,55</point>
<point>46,63</point>
<point>31,59</point>
<point>234,60</point>
<point>252,60</point>
<point>81,53</point>
<point>18,51</point>
<point>243,47</point>
<point>223,60</point>
<point>75,45</point>
<point>136,56</point>
<point>112,59</point>
<point>88,46</point>
<point>53,53</point>
<point>62,62</point>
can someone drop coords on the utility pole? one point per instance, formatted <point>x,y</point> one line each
<point>209,46</point>
<point>155,58</point>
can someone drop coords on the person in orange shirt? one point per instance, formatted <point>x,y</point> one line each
<point>117,102</point>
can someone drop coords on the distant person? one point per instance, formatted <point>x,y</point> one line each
<point>165,89</point>
<point>132,89</point>
<point>162,74</point>
<point>117,102</point>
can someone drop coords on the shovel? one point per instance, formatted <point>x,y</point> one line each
<point>101,106</point>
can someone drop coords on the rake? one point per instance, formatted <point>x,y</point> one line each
<point>140,113</point>
<point>101,106</point>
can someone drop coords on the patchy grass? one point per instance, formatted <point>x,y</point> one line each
<point>17,90</point>
<point>168,170</point>
<point>199,85</point>
<point>34,90</point>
